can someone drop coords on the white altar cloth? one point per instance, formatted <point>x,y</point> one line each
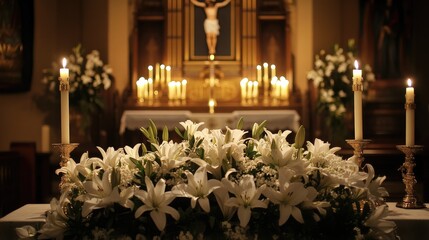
<point>276,119</point>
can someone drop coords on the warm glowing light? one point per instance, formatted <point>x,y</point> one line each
<point>409,82</point>
<point>356,64</point>
<point>64,62</point>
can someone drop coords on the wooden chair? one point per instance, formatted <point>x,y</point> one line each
<point>26,171</point>
<point>9,182</point>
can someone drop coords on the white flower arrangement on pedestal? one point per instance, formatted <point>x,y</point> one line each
<point>219,185</point>
<point>331,76</point>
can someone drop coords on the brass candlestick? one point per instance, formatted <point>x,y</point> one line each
<point>64,149</point>
<point>409,201</point>
<point>358,147</point>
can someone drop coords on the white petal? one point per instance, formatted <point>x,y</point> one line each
<point>159,219</point>
<point>173,212</point>
<point>142,210</point>
<point>296,213</point>
<point>285,211</point>
<point>204,204</point>
<point>244,216</point>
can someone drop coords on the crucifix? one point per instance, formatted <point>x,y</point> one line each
<point>211,23</point>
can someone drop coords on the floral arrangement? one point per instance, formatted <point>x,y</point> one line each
<point>88,78</point>
<point>219,185</point>
<point>332,77</point>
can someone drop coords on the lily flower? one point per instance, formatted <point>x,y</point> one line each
<point>156,200</point>
<point>102,194</point>
<point>246,197</point>
<point>376,222</point>
<point>56,220</point>
<point>288,196</point>
<point>198,188</point>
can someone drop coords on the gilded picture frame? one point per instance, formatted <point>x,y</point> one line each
<point>16,45</point>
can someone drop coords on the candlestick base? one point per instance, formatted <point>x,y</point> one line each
<point>358,147</point>
<point>64,149</point>
<point>409,201</point>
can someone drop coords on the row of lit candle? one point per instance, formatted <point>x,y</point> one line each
<point>177,90</point>
<point>264,77</point>
<point>162,74</point>
<point>249,89</point>
<point>280,88</point>
<point>145,89</point>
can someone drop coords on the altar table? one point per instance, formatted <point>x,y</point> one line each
<point>413,224</point>
<point>276,119</point>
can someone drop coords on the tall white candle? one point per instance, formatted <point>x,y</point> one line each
<point>273,71</point>
<point>265,75</point>
<point>157,80</point>
<point>162,75</point>
<point>409,114</point>
<point>249,89</point>
<point>45,140</point>
<point>139,84</point>
<point>255,89</point>
<point>150,83</point>
<point>357,85</point>
<point>243,85</point>
<point>259,74</point>
<point>184,83</point>
<point>168,70</point>
<point>65,121</point>
<point>150,70</point>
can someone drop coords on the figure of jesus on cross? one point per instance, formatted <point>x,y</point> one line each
<point>211,23</point>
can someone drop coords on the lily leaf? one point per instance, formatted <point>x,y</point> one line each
<point>300,137</point>
<point>240,123</point>
<point>165,134</point>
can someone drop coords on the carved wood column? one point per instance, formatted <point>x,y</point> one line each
<point>173,55</point>
<point>249,37</point>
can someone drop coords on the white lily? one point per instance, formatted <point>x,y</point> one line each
<point>132,153</point>
<point>56,220</point>
<point>70,172</point>
<point>288,197</point>
<point>222,196</point>
<point>198,188</point>
<point>190,127</point>
<point>376,222</point>
<point>246,197</point>
<point>25,232</point>
<point>374,185</point>
<point>156,200</point>
<point>101,194</point>
<point>171,155</point>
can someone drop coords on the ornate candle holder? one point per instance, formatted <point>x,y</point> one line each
<point>358,147</point>
<point>409,201</point>
<point>64,149</point>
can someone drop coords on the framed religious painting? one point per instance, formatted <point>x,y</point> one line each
<point>16,45</point>
<point>212,28</point>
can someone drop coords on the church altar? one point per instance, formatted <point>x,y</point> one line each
<point>277,119</point>
<point>411,224</point>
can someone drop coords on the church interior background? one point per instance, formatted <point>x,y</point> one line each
<point>285,34</point>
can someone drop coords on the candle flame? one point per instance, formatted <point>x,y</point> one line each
<point>273,66</point>
<point>162,66</point>
<point>258,67</point>
<point>356,64</point>
<point>409,82</point>
<point>265,64</point>
<point>184,82</point>
<point>168,68</point>
<point>212,57</point>
<point>64,62</point>
<point>150,67</point>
